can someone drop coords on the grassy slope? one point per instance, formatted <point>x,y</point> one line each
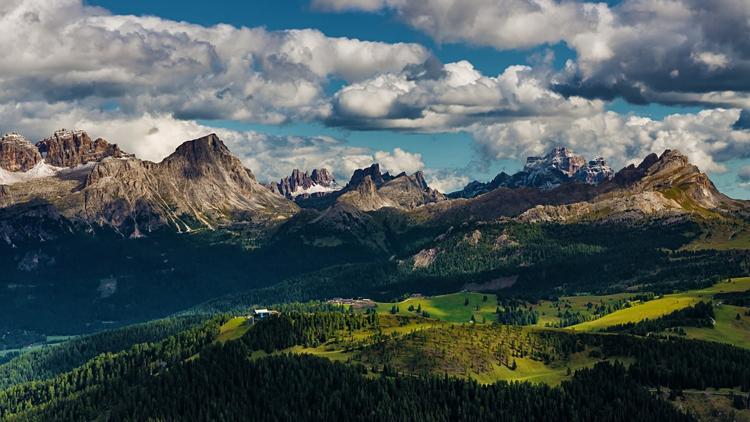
<point>722,235</point>
<point>727,328</point>
<point>233,329</point>
<point>652,309</point>
<point>726,331</point>
<point>548,310</point>
<point>467,347</point>
<point>449,308</point>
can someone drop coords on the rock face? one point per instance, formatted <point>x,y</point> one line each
<point>200,185</point>
<point>17,154</point>
<point>551,170</point>
<point>559,166</point>
<point>595,172</point>
<point>373,172</point>
<point>318,183</point>
<point>661,186</point>
<point>67,148</point>
<point>370,190</point>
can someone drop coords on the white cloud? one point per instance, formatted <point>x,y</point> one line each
<point>454,96</point>
<point>708,138</point>
<point>63,51</point>
<point>642,50</point>
<point>446,180</point>
<point>504,24</point>
<point>399,161</point>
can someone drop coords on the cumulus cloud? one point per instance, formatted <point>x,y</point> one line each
<point>708,138</point>
<point>503,24</point>
<point>399,161</point>
<point>446,180</point>
<point>64,51</point>
<point>452,96</point>
<point>154,136</point>
<point>674,52</point>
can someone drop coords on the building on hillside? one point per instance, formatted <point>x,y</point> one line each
<point>263,313</point>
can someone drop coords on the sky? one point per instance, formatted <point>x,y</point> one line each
<point>458,89</point>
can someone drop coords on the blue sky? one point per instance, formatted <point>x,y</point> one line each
<point>441,150</point>
<point>591,70</point>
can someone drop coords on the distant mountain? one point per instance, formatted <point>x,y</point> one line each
<point>661,187</point>
<point>89,231</point>
<point>301,185</point>
<point>370,190</point>
<point>557,167</point>
<point>665,186</point>
<point>67,148</point>
<point>201,185</point>
<point>17,154</point>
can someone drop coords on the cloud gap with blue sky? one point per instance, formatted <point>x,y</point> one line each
<point>461,90</point>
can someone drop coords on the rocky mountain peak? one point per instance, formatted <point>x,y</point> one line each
<point>317,183</point>
<point>373,171</point>
<point>201,148</point>
<point>322,177</point>
<point>17,153</point>
<point>559,166</point>
<point>200,184</point>
<point>595,172</point>
<point>669,161</point>
<point>419,178</point>
<point>559,158</point>
<point>66,148</point>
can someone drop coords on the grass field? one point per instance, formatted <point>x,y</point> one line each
<point>652,309</point>
<point>548,310</point>
<point>450,308</point>
<point>446,343</point>
<point>233,329</point>
<point>723,236</point>
<point>453,308</point>
<point>726,330</point>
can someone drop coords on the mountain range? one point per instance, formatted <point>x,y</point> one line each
<point>124,239</point>
<point>68,176</point>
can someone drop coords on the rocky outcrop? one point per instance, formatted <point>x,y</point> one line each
<point>558,167</point>
<point>318,183</point>
<point>664,186</point>
<point>595,172</point>
<point>410,191</point>
<point>365,196</point>
<point>547,172</point>
<point>17,154</point>
<point>67,148</point>
<point>373,172</point>
<point>370,190</point>
<point>201,184</point>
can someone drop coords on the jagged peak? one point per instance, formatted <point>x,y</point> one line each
<point>670,160</point>
<point>210,144</point>
<point>373,171</point>
<point>60,133</point>
<point>317,183</point>
<point>14,136</point>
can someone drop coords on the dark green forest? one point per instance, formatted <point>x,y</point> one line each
<point>190,376</point>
